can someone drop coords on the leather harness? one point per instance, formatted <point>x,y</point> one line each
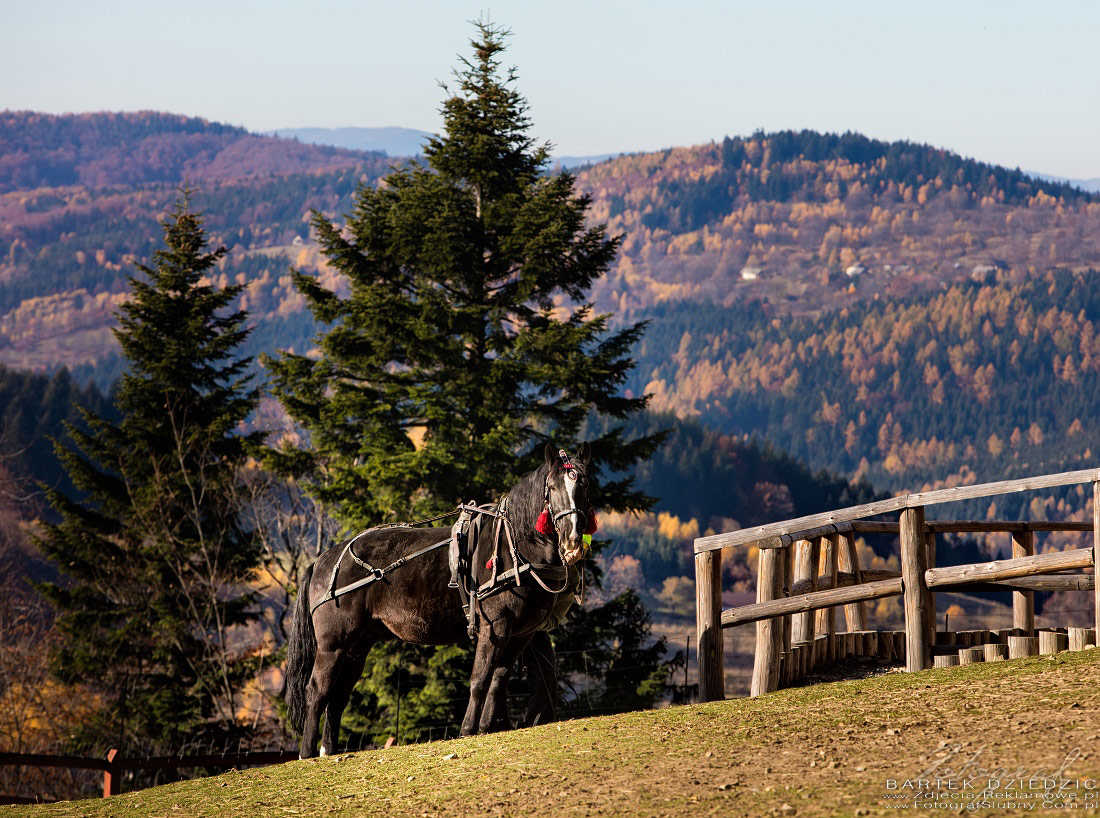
<point>467,530</point>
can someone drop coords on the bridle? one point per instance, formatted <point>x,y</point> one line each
<point>547,521</point>
<point>571,473</point>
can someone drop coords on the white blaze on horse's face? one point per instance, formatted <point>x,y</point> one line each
<point>569,526</point>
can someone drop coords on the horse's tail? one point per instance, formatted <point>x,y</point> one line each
<point>301,651</point>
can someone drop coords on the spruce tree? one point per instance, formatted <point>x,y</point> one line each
<point>153,554</point>
<point>464,343</point>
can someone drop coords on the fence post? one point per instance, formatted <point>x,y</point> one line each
<point>1023,602</point>
<point>112,774</point>
<point>769,585</point>
<point>1096,556</point>
<point>708,622</point>
<point>930,562</point>
<point>914,589</point>
<point>805,573</point>
<point>786,557</point>
<point>826,617</point>
<point>848,560</point>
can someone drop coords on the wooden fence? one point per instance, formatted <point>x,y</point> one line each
<point>114,765</point>
<point>808,566</point>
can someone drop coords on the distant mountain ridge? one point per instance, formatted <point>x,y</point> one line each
<point>390,141</point>
<point>399,142</point>
<point>1091,185</point>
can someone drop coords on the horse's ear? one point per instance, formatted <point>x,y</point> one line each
<point>551,455</point>
<point>584,453</point>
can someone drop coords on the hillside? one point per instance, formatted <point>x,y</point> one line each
<point>981,381</point>
<point>825,750</point>
<point>65,251</point>
<point>106,149</point>
<point>797,210</point>
<point>844,371</point>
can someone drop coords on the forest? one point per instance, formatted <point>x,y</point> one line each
<point>703,481</point>
<point>800,210</point>
<point>982,381</point>
<point>107,149</point>
<point>974,291</point>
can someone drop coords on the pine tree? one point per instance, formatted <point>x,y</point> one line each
<point>459,351</point>
<point>153,553</point>
<point>463,345</point>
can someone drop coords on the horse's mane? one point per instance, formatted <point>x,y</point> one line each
<point>528,497</point>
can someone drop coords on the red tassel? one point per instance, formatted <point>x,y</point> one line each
<point>543,525</point>
<point>593,524</point>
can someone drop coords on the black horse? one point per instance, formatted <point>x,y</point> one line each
<point>330,640</point>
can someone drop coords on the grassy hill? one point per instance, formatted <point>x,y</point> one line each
<point>823,750</point>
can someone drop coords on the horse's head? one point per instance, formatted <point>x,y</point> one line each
<point>568,515</point>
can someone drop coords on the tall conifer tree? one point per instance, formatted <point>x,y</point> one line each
<point>464,342</point>
<point>154,555</point>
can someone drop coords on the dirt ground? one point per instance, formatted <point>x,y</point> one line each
<point>1005,737</point>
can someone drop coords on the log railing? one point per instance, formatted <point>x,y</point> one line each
<point>789,589</point>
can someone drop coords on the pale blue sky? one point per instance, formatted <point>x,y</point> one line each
<point>1007,82</point>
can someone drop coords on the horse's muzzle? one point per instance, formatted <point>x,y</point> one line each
<point>571,552</point>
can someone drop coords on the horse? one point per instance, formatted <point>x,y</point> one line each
<point>542,519</point>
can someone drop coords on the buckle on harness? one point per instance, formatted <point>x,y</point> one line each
<point>457,558</point>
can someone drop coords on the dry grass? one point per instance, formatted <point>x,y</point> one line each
<point>822,750</point>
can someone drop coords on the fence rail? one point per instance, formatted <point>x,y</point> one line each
<point>809,564</point>
<point>769,536</point>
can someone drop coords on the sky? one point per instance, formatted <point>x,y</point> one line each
<point>1013,83</point>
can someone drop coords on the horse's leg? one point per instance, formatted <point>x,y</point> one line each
<point>348,674</point>
<point>491,643</point>
<point>325,669</point>
<point>495,715</point>
<point>542,677</point>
